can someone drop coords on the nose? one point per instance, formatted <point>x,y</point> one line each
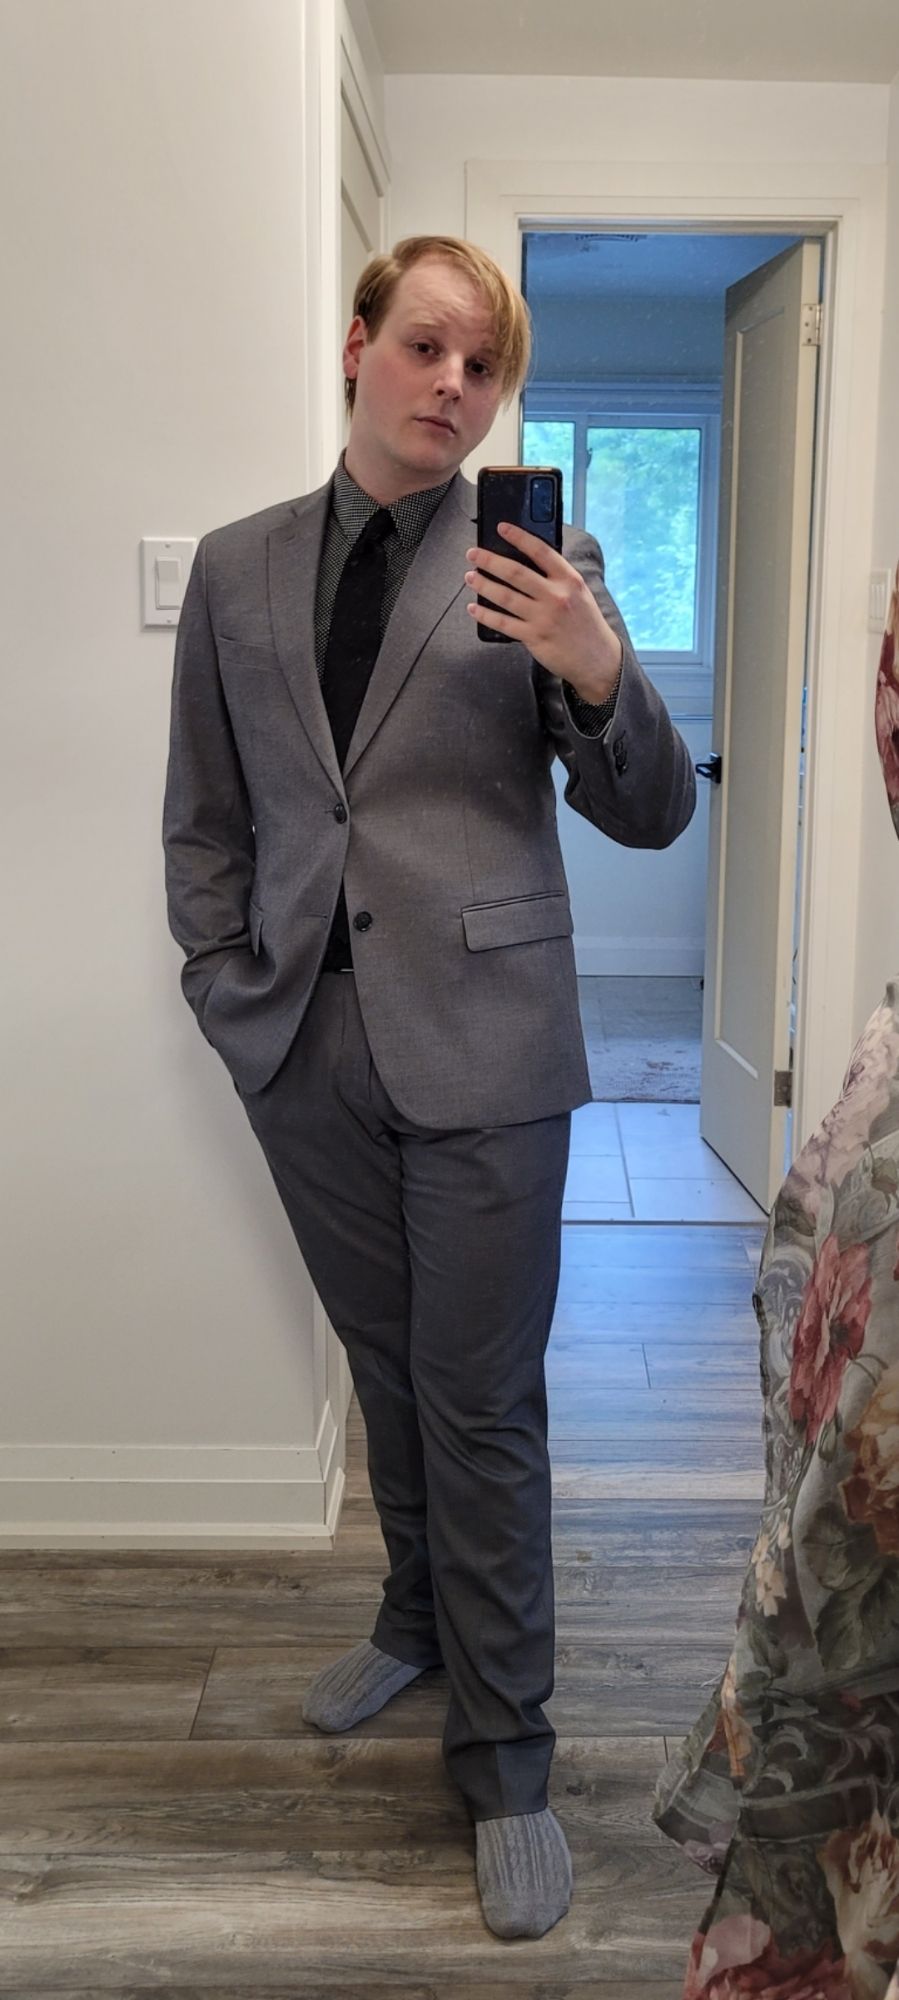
<point>451,376</point>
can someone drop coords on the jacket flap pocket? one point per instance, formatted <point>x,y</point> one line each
<point>518,921</point>
<point>247,653</point>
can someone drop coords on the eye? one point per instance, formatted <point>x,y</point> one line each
<point>482,368</point>
<point>422,346</point>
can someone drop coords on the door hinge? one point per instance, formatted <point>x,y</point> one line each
<point>783,1088</point>
<point>812,322</point>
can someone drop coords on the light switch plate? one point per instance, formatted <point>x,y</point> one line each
<point>880,584</point>
<point>165,565</point>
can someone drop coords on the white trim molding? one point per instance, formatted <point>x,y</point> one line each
<point>171,1496</point>
<point>362,108</point>
<point>846,204</point>
<point>129,1496</point>
<point>641,958</point>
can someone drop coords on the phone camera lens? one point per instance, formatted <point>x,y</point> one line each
<point>542,499</point>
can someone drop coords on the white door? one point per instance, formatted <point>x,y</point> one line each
<point>767,442</point>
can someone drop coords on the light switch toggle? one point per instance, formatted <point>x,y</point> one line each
<point>165,568</point>
<point>169,583</point>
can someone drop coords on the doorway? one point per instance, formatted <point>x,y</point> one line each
<point>626,397</point>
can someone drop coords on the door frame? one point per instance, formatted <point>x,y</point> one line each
<point>846,205</point>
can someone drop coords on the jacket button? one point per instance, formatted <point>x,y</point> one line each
<point>340,813</point>
<point>362,922</point>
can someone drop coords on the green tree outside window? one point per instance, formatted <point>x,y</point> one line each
<point>643,508</point>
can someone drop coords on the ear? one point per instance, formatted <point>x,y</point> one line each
<point>356,340</point>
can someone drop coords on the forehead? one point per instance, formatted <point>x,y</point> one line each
<point>445,295</point>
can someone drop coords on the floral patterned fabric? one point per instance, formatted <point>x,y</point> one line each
<point>787,1788</point>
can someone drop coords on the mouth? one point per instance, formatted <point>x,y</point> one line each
<point>438,424</point>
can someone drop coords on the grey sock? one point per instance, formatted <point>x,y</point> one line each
<point>356,1685</point>
<point>524,1873</point>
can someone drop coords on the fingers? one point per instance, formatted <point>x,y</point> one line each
<point>550,565</point>
<point>496,593</point>
<point>524,598</point>
<point>496,619</point>
<point>551,562</point>
<point>503,570</point>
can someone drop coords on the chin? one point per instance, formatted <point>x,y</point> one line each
<point>405,457</point>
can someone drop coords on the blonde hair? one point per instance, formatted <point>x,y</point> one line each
<point>511,318</point>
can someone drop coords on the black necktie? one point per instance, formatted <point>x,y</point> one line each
<point>354,638</point>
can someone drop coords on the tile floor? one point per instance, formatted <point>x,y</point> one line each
<point>647,1163</point>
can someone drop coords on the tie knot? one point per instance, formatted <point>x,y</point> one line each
<point>376,528</point>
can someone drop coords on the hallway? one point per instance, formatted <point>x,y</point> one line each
<point>636,1151</point>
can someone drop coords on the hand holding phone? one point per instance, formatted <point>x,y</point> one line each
<point>528,586</point>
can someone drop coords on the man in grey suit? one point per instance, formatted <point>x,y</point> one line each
<point>364,872</point>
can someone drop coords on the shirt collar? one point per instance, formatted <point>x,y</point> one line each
<point>410,514</point>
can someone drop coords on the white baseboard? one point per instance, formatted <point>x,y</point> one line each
<point>645,958</point>
<point>172,1496</point>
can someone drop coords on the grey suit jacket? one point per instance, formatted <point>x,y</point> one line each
<point>443,823</point>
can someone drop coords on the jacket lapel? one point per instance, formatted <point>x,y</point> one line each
<point>435,577</point>
<point>294,552</point>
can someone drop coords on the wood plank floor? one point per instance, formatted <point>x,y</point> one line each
<point>169,1824</point>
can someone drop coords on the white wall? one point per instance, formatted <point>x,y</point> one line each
<point>635,337</point>
<point>437,124</point>
<point>878,891</point>
<point>159,1324</point>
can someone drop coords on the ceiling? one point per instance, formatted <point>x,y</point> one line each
<point>818,41</point>
<point>569,264</point>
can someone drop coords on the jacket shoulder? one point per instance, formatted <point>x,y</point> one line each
<point>579,547</point>
<point>252,530</point>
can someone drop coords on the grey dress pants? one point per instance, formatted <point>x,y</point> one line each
<point>436,1257</point>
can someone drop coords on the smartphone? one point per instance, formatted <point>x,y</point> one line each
<point>528,496</point>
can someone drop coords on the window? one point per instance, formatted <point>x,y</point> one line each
<point>548,443</point>
<point>639,469</point>
<point>643,507</point>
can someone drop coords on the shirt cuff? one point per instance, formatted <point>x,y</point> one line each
<point>592,718</point>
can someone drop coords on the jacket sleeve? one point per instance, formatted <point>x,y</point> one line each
<point>207,825</point>
<point>635,781</point>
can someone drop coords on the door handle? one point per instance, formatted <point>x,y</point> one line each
<point>711,769</point>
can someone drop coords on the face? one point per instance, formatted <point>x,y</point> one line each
<point>427,385</point>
